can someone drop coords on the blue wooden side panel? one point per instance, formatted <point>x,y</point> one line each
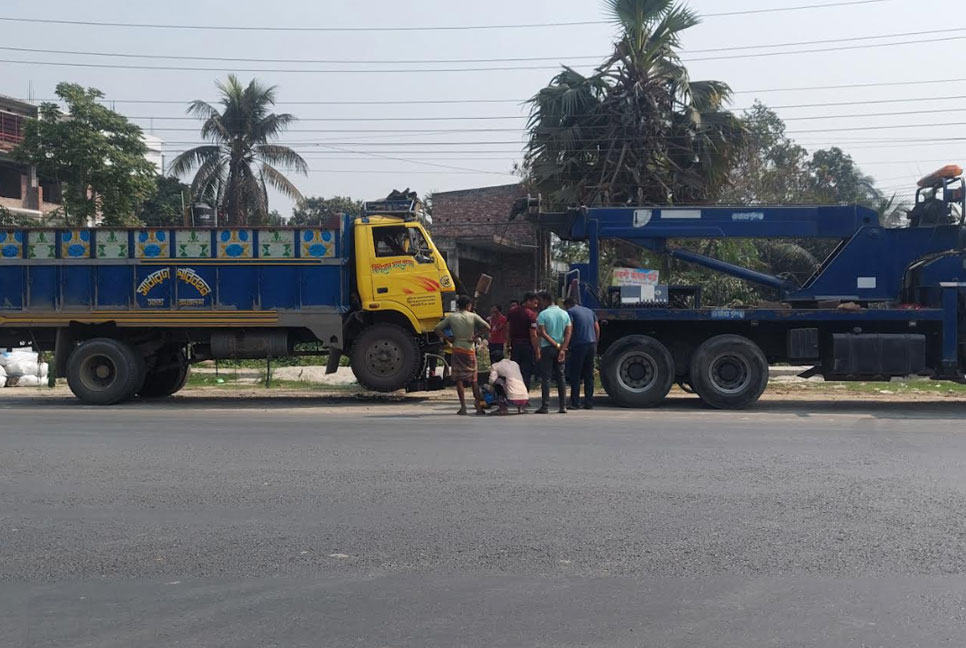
<point>11,287</point>
<point>43,287</point>
<point>279,286</point>
<point>320,285</point>
<point>115,287</point>
<point>237,287</point>
<point>76,285</point>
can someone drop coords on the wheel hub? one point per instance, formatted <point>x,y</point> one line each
<point>636,371</point>
<point>98,373</point>
<point>384,358</point>
<point>730,373</point>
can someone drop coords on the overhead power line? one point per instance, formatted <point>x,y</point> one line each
<point>415,28</point>
<point>850,86</point>
<point>414,102</point>
<point>177,57</point>
<point>520,142</point>
<point>523,131</point>
<point>437,70</point>
<point>506,117</point>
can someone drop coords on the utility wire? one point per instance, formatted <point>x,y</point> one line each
<point>93,23</point>
<point>397,102</point>
<point>488,118</point>
<point>593,141</point>
<point>462,60</point>
<point>524,132</point>
<point>501,68</point>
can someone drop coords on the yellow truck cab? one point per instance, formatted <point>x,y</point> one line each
<point>403,287</point>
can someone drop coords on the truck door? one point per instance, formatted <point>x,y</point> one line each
<point>404,270</point>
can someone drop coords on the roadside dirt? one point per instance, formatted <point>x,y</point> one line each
<point>777,391</point>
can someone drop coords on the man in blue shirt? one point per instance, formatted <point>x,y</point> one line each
<point>583,351</point>
<point>553,329</point>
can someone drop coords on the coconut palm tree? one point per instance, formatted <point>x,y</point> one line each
<point>241,162</point>
<point>637,129</point>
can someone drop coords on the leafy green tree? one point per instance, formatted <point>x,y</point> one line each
<point>316,210</point>
<point>241,162</point>
<point>167,206</point>
<point>9,219</point>
<point>769,168</point>
<point>835,178</point>
<point>637,130</point>
<point>275,219</point>
<point>95,154</point>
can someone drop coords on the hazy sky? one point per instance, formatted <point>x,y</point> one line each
<point>353,162</point>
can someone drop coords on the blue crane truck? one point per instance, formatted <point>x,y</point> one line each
<point>126,311</point>
<point>885,302</point>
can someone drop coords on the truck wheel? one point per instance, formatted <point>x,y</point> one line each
<point>103,371</point>
<point>385,358</point>
<point>637,371</point>
<point>729,372</point>
<point>167,381</point>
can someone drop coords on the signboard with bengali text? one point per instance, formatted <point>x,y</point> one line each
<point>635,277</point>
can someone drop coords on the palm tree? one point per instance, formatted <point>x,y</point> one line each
<point>637,129</point>
<point>241,162</point>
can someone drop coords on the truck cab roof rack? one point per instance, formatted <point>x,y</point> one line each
<point>406,209</point>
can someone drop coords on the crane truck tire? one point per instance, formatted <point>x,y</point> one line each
<point>384,358</point>
<point>637,371</point>
<point>103,371</point>
<point>168,380</point>
<point>729,372</point>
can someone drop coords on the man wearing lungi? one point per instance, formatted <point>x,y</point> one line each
<point>466,326</point>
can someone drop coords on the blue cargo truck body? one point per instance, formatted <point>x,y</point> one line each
<point>126,311</point>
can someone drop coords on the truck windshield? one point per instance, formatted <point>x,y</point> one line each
<point>419,246</point>
<point>391,240</point>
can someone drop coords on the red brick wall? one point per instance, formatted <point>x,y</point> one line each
<point>480,213</point>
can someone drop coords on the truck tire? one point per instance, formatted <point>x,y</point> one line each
<point>167,381</point>
<point>729,372</point>
<point>384,358</point>
<point>637,371</point>
<point>104,371</point>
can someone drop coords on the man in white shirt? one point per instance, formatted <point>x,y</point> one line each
<point>506,375</point>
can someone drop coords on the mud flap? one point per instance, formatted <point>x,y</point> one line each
<point>63,345</point>
<point>332,365</point>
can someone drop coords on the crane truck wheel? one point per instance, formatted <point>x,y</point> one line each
<point>168,380</point>
<point>384,358</point>
<point>637,371</point>
<point>729,372</point>
<point>103,371</point>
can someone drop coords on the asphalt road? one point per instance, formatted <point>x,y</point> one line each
<point>275,522</point>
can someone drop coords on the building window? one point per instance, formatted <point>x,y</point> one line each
<point>11,129</point>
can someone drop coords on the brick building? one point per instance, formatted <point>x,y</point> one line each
<point>21,191</point>
<point>471,229</point>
